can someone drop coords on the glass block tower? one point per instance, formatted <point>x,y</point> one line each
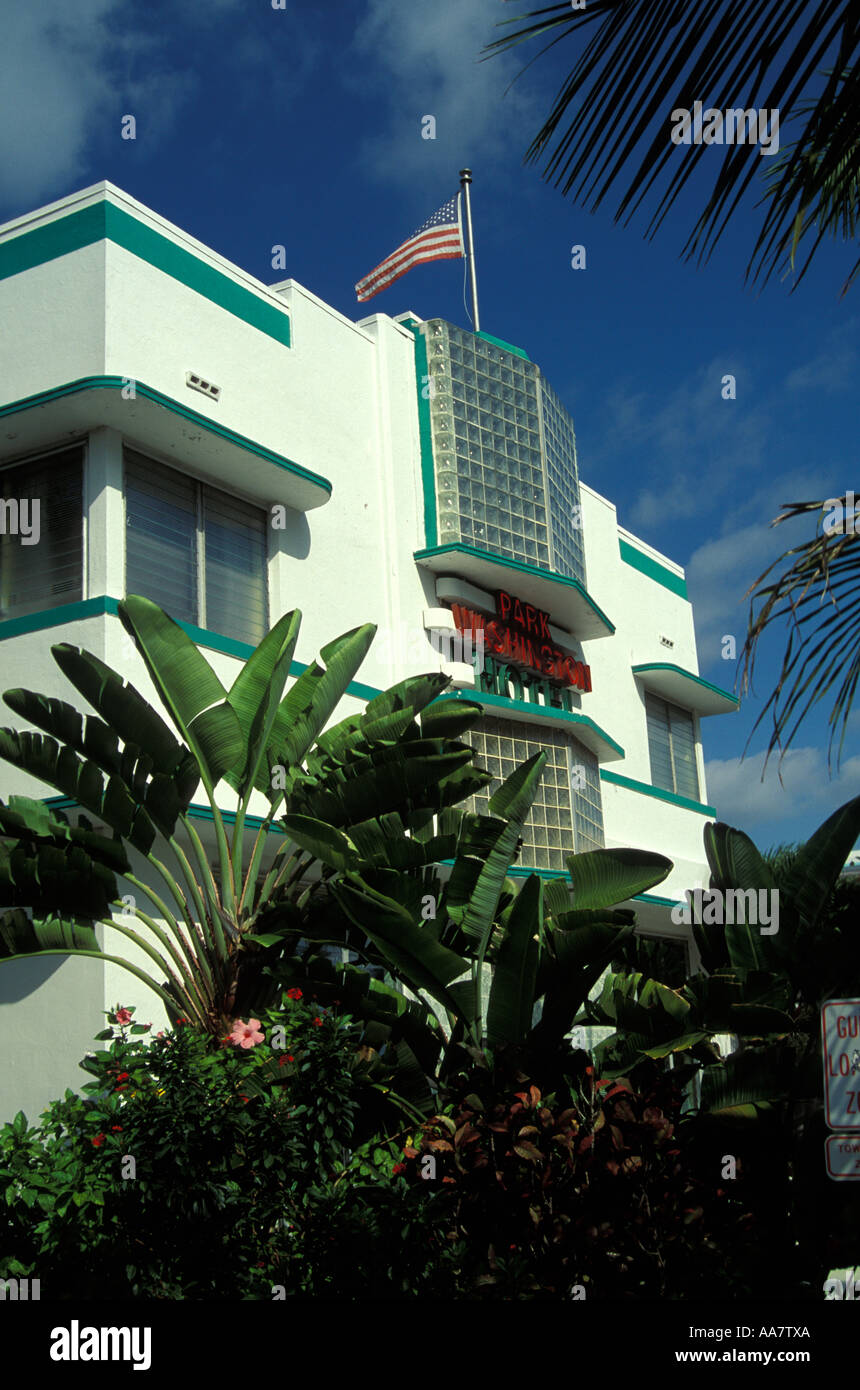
<point>506,482</point>
<point>504,453</point>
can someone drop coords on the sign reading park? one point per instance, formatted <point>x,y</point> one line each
<point>840,1036</point>
<point>520,635</point>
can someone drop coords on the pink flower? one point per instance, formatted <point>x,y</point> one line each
<point>246,1034</point>
<point>123,1016</point>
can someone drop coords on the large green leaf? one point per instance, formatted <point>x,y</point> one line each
<point>414,952</point>
<point>810,880</point>
<point>189,687</point>
<point>255,696</point>
<point>81,781</point>
<point>509,806</point>
<point>312,699</point>
<point>573,963</point>
<point>604,877</point>
<point>325,842</point>
<point>122,708</point>
<point>512,992</point>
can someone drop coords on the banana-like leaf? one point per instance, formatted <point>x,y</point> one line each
<point>512,993</point>
<point>818,864</point>
<point>324,842</point>
<point>19,936</point>
<point>753,1077</point>
<point>312,699</point>
<point>414,952</point>
<point>25,817</point>
<point>122,708</point>
<point>511,805</point>
<point>450,718</point>
<point>81,781</point>
<point>734,860</point>
<point>188,686</point>
<point>603,877</point>
<point>573,963</point>
<point>255,696</point>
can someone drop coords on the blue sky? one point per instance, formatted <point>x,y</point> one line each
<point>257,127</point>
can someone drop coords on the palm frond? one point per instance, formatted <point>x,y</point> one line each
<point>819,597</point>
<point>644,60</point>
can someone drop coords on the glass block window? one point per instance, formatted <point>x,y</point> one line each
<point>566,815</point>
<point>485,424</point>
<point>563,486</point>
<point>672,745</point>
<point>504,452</point>
<point>198,552</point>
<point>42,549</point>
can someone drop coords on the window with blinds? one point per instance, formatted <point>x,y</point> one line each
<point>50,571</point>
<point>198,552</point>
<point>672,745</point>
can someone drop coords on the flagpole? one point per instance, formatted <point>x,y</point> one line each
<point>465,181</point>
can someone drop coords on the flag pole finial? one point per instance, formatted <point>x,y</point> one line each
<point>465,182</point>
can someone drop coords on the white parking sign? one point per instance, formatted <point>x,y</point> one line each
<point>840,1033</point>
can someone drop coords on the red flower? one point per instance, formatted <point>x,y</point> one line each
<point>123,1076</point>
<point>98,1140</point>
<point>116,1127</point>
<point>123,1016</point>
<point>398,1169</point>
<point>318,1023</point>
<point>294,993</point>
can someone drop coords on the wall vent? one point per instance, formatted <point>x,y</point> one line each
<point>666,642</point>
<point>197,383</point>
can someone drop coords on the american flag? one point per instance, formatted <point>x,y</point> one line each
<point>440,238</point>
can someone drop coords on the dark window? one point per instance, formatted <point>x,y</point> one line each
<point>41,533</point>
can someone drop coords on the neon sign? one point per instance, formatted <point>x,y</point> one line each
<point>520,634</point>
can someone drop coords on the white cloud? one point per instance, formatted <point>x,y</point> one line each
<point>742,799</point>
<point>430,57</point>
<point>68,75</point>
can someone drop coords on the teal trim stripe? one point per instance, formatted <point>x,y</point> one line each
<point>116,383</point>
<point>520,566</point>
<point>500,342</point>
<point>688,675</point>
<point>425,435</point>
<point>196,811</point>
<point>98,607</point>
<point>647,790</point>
<point>105,221</point>
<point>645,565</point>
<point>561,716</point>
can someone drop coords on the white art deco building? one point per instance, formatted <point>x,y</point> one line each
<point>234,450</point>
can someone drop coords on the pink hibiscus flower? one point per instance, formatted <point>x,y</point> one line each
<point>123,1016</point>
<point>246,1034</point>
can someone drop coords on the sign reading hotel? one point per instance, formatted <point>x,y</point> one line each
<point>520,636</point>
<point>840,1035</point>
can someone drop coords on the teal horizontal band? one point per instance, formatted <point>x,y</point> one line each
<point>546,712</point>
<point>647,790</point>
<point>65,613</point>
<point>104,221</point>
<point>645,565</point>
<point>699,681</point>
<point>564,581</point>
<point>500,342</point>
<point>196,811</point>
<point>118,383</point>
